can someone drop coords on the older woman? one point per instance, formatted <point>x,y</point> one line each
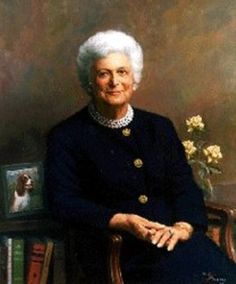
<point>111,166</point>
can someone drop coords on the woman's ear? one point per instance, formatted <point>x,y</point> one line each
<point>89,88</point>
<point>135,86</point>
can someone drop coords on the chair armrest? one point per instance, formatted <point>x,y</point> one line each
<point>224,215</point>
<point>114,269</point>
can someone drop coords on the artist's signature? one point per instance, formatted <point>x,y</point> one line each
<point>210,278</point>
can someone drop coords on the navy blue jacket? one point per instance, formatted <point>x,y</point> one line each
<point>91,175</point>
<point>90,172</point>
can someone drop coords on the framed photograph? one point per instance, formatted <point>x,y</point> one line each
<point>23,193</point>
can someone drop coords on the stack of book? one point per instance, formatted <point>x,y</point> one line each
<point>31,261</point>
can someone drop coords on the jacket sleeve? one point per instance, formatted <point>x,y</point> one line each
<point>63,186</point>
<point>187,196</point>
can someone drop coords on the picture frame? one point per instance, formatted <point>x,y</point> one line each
<point>23,189</point>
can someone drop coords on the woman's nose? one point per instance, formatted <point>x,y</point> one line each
<point>114,80</point>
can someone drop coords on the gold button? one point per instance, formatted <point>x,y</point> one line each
<point>138,163</point>
<point>143,199</point>
<point>126,132</point>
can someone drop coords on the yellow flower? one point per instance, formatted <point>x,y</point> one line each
<point>195,123</point>
<point>213,154</point>
<point>190,149</point>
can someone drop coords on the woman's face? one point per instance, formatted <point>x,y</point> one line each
<point>112,80</point>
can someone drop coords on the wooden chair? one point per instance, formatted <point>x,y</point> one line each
<point>221,220</point>
<point>220,229</point>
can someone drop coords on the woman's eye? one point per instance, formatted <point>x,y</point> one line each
<point>103,74</point>
<point>122,72</point>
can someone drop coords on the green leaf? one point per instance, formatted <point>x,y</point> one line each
<point>191,162</point>
<point>202,173</point>
<point>214,170</point>
<point>204,166</point>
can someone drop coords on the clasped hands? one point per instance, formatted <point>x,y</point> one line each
<point>158,234</point>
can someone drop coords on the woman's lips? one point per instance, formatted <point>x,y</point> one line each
<point>114,92</point>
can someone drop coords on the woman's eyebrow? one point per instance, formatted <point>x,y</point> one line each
<point>109,69</point>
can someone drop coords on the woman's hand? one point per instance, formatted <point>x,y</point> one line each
<point>138,226</point>
<point>171,235</point>
<point>154,232</point>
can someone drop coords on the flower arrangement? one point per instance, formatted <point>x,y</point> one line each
<point>203,157</point>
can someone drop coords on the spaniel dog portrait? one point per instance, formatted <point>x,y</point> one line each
<point>21,194</point>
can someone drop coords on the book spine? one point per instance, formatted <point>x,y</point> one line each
<point>46,262</point>
<point>59,266</point>
<point>18,261</point>
<point>3,260</point>
<point>9,260</point>
<point>36,262</point>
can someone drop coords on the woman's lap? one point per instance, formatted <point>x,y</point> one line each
<point>198,260</point>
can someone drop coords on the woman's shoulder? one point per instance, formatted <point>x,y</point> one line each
<point>152,117</point>
<point>71,124</point>
<point>157,123</point>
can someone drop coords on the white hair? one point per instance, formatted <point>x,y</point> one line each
<point>103,43</point>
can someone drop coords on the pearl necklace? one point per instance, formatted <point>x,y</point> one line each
<point>111,123</point>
